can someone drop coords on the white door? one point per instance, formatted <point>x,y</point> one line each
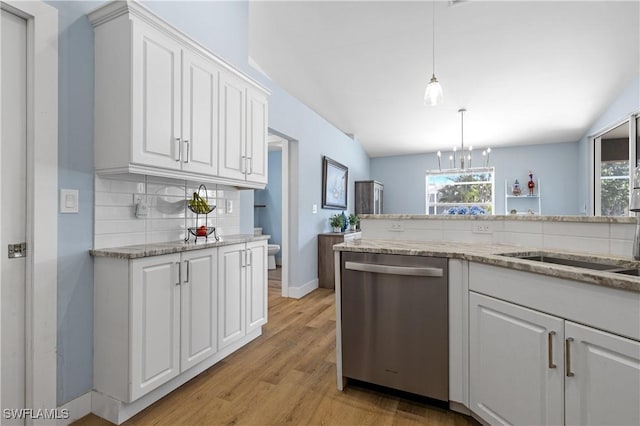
<point>257,116</point>
<point>231,297</point>
<point>603,383</point>
<point>199,114</point>
<point>515,362</point>
<point>155,322</point>
<point>233,154</point>
<point>14,209</point>
<point>199,307</point>
<point>256,284</point>
<point>156,99</point>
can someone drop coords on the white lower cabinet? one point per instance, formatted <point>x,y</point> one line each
<point>243,291</point>
<point>155,317</point>
<point>516,364</point>
<point>527,367</point>
<point>604,383</point>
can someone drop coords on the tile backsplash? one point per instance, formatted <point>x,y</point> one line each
<point>116,224</point>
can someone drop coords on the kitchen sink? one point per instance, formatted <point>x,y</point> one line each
<point>575,261</point>
<point>634,272</point>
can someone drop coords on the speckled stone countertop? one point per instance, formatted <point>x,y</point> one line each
<point>522,217</point>
<point>490,254</point>
<point>157,249</point>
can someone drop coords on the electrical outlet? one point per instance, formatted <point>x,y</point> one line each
<point>396,227</point>
<point>314,209</point>
<point>482,228</point>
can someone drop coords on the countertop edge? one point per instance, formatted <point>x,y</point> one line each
<point>158,249</point>
<point>523,217</point>
<point>489,254</point>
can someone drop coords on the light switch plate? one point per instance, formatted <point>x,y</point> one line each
<point>69,201</point>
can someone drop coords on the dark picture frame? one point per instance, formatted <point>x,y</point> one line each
<point>335,183</point>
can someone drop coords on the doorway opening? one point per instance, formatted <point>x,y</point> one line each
<point>275,212</point>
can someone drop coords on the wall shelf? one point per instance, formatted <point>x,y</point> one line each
<point>524,203</point>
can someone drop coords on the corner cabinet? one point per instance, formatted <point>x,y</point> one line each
<point>166,106</point>
<point>160,320</point>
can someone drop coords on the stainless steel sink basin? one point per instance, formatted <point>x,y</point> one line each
<point>575,261</point>
<point>634,272</point>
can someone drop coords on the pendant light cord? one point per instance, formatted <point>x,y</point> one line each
<point>433,36</point>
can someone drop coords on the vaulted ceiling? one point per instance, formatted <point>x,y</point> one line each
<point>528,72</point>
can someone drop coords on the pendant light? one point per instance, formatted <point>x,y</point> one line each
<point>433,93</point>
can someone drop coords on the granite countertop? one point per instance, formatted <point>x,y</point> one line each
<point>157,249</point>
<point>489,254</point>
<point>520,217</point>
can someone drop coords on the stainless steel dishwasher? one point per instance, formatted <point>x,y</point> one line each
<point>395,322</point>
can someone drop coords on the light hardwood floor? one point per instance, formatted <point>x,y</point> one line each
<point>286,376</point>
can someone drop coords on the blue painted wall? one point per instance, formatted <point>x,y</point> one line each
<point>554,164</point>
<point>269,218</point>
<point>623,105</point>
<point>75,171</point>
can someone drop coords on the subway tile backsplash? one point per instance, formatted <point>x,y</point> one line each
<point>116,224</point>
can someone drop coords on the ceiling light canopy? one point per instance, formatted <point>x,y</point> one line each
<point>433,93</point>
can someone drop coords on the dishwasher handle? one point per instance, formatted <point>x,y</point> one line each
<point>416,271</point>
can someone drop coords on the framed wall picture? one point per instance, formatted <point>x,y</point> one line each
<point>335,180</point>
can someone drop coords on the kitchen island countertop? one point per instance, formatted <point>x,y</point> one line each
<point>490,254</point>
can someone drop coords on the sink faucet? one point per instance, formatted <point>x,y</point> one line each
<point>635,207</point>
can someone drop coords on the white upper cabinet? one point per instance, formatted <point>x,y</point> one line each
<point>257,112</point>
<point>233,116</point>
<point>165,106</point>
<point>156,87</point>
<point>199,114</point>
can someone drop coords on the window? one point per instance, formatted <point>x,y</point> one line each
<point>460,191</point>
<point>612,169</point>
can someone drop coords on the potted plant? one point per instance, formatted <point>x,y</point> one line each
<point>354,221</point>
<point>336,221</point>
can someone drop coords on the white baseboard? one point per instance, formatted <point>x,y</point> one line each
<point>300,292</point>
<point>77,409</point>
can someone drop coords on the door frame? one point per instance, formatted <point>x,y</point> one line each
<point>283,144</point>
<point>42,190</point>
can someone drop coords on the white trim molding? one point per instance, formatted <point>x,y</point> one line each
<point>42,190</point>
<point>300,292</point>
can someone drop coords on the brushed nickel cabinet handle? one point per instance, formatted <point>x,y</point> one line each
<point>567,353</point>
<point>186,160</point>
<point>187,265</point>
<point>550,337</point>
<point>179,272</point>
<point>243,165</point>
<point>178,150</point>
<point>250,165</point>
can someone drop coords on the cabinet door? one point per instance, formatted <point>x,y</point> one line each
<point>605,386</point>
<point>199,114</point>
<point>156,98</point>
<point>256,284</point>
<point>231,294</point>
<point>199,307</point>
<point>511,355</point>
<point>155,323</point>
<point>257,136</point>
<point>232,127</point>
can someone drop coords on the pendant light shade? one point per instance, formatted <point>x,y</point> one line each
<point>433,93</point>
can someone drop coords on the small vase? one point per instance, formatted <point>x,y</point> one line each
<point>336,229</point>
<point>352,228</point>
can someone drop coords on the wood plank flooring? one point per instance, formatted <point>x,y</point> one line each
<point>286,376</point>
